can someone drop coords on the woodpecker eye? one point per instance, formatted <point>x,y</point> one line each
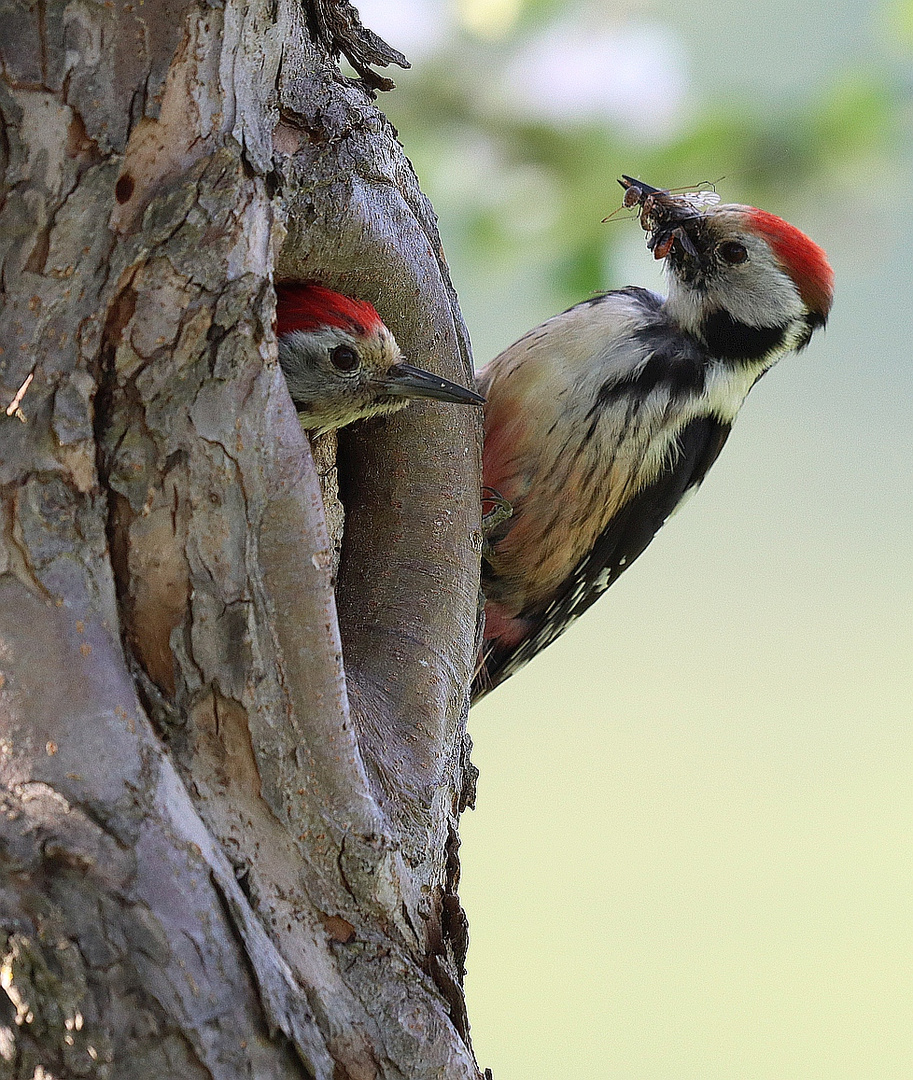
<point>344,358</point>
<point>733,252</point>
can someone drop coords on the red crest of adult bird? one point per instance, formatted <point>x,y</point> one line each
<point>342,364</point>
<point>601,420</point>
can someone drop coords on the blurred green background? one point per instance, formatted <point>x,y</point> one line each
<point>692,857</point>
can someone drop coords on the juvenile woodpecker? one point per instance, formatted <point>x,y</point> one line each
<point>342,364</point>
<point>601,420</point>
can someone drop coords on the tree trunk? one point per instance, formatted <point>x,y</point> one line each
<point>221,854</point>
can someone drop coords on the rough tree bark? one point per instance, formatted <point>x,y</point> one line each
<point>220,854</point>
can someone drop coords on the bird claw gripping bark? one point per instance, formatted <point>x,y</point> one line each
<point>501,511</point>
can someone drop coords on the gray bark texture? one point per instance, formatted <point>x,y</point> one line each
<point>221,854</point>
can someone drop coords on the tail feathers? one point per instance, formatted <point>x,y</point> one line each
<point>481,682</point>
<point>504,649</point>
<point>488,673</point>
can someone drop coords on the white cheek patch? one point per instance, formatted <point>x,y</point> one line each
<point>758,292</point>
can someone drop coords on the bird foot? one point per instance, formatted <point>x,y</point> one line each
<point>501,511</point>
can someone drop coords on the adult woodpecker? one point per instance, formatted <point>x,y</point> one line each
<point>342,364</point>
<point>601,420</point>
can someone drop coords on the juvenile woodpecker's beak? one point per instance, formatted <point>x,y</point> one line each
<point>404,380</point>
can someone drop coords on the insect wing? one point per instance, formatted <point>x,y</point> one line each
<point>652,199</point>
<point>700,200</point>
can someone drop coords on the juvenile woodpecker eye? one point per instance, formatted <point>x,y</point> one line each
<point>344,358</point>
<point>733,252</point>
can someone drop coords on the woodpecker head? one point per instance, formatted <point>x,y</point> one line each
<point>342,363</point>
<point>746,283</point>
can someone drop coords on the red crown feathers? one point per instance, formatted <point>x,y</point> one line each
<point>803,260</point>
<point>310,307</point>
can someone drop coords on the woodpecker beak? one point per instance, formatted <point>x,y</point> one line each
<point>404,380</point>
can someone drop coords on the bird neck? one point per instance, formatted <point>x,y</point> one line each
<point>750,339</point>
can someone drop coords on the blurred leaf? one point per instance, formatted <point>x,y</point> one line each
<point>900,21</point>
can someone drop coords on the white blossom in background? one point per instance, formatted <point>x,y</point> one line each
<point>417,28</point>
<point>633,75</point>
